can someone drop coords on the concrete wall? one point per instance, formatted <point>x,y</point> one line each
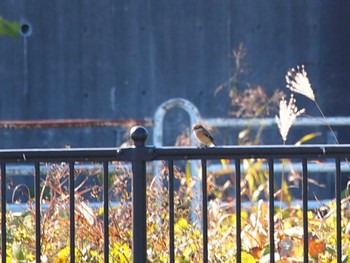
<point>121,59</point>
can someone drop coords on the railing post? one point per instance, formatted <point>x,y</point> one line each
<point>139,246</point>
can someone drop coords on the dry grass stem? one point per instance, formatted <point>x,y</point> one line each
<point>297,81</point>
<point>287,114</point>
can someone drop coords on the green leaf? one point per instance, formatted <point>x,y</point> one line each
<point>9,28</point>
<point>17,251</point>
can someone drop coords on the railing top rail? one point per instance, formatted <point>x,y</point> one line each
<point>60,154</point>
<point>257,151</point>
<point>149,153</point>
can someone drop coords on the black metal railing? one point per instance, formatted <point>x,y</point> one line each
<point>140,154</point>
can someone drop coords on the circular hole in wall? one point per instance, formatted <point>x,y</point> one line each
<point>26,29</point>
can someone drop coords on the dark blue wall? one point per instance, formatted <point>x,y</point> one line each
<point>121,59</point>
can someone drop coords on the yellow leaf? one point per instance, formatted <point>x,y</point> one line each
<point>225,163</point>
<point>62,256</point>
<point>187,252</point>
<point>247,258</point>
<point>307,137</point>
<point>298,249</point>
<point>181,225</point>
<point>188,170</point>
<point>287,197</point>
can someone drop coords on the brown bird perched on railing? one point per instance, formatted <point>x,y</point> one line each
<point>202,135</point>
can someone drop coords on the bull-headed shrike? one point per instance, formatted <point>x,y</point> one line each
<point>202,135</point>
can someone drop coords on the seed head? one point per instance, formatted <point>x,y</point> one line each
<point>287,114</point>
<point>297,81</point>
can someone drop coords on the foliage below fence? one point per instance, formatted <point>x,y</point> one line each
<point>188,239</point>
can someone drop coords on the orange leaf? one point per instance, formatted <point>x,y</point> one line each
<point>316,247</point>
<point>256,252</point>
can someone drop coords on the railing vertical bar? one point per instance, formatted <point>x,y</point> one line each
<point>71,211</point>
<point>238,211</point>
<point>204,210</point>
<point>105,212</point>
<point>271,211</point>
<point>338,207</point>
<point>37,211</point>
<point>3,212</point>
<point>139,205</point>
<point>305,209</point>
<point>171,211</point>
